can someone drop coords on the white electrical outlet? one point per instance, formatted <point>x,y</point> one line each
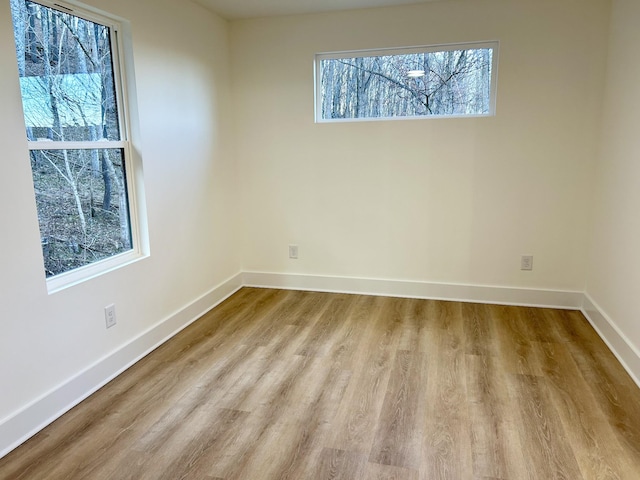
<point>110,315</point>
<point>526,262</point>
<point>293,251</point>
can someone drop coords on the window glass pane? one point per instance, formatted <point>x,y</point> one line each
<point>82,206</point>
<point>66,75</point>
<point>449,82</point>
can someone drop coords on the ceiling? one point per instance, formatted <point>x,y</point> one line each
<point>236,9</point>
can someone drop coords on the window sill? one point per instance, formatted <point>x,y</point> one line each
<point>80,275</point>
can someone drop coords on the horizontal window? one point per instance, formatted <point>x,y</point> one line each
<point>450,80</point>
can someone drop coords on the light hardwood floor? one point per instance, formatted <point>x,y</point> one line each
<point>282,385</point>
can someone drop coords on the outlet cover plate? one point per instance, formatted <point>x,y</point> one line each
<point>110,315</point>
<point>526,262</point>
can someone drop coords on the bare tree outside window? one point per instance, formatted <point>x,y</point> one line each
<point>74,128</point>
<point>433,82</point>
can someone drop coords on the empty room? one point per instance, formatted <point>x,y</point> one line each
<point>348,239</point>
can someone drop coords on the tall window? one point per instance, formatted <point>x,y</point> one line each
<point>454,80</point>
<point>72,95</point>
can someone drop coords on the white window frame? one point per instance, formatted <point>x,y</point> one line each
<point>319,57</point>
<point>121,57</point>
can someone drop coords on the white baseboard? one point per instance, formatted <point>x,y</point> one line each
<point>32,418</point>
<point>626,353</point>
<point>411,289</point>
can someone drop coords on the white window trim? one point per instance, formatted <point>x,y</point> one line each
<point>124,80</point>
<point>494,44</point>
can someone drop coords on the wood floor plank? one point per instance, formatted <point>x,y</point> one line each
<point>479,339</point>
<point>439,316</point>
<point>514,340</point>
<point>181,453</point>
<point>495,444</point>
<point>375,471</point>
<point>301,428</point>
<point>398,439</point>
<point>545,447</point>
<point>574,328</point>
<point>358,415</point>
<point>190,453</point>
<point>613,393</point>
<point>446,429</point>
<point>412,318</point>
<point>595,444</point>
<point>336,464</point>
<point>325,329</point>
<point>275,385</point>
<point>540,324</point>
<point>294,421</point>
<point>350,345</point>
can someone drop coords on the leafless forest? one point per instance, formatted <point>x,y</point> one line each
<point>450,82</point>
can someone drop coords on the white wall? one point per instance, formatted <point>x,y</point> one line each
<point>614,275</point>
<point>181,63</point>
<point>437,200</point>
